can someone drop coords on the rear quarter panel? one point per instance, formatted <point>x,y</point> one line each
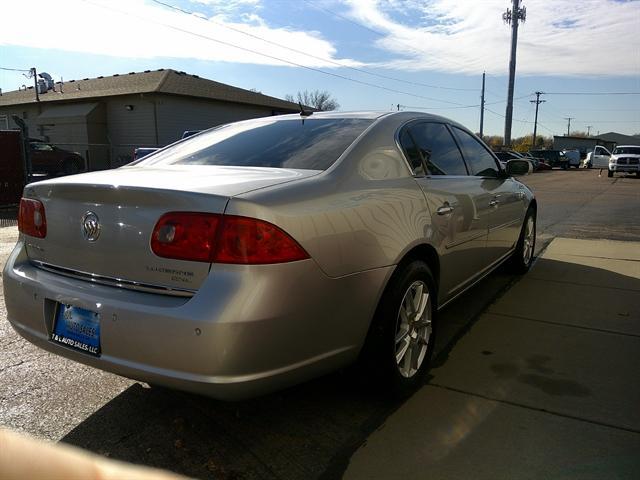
<point>365,212</point>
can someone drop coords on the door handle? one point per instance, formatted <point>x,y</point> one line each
<point>444,210</point>
<point>494,202</point>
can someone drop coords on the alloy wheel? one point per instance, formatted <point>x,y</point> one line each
<point>413,329</point>
<point>529,241</point>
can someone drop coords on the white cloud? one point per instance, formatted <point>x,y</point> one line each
<point>560,37</point>
<point>135,29</point>
<point>563,37</point>
<point>228,7</point>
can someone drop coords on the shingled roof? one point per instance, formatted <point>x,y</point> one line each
<point>157,81</point>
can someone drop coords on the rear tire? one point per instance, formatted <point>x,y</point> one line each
<point>609,173</point>
<point>399,345</point>
<point>522,258</point>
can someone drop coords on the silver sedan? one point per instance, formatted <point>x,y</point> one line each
<point>266,252</point>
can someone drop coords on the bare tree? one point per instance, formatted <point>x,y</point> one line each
<point>320,100</point>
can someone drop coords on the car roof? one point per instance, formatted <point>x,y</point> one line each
<point>625,146</point>
<point>371,115</point>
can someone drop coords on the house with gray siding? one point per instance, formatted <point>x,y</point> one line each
<point>106,118</point>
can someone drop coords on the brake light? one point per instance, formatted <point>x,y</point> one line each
<point>185,236</point>
<point>206,237</point>
<point>251,241</point>
<point>31,218</point>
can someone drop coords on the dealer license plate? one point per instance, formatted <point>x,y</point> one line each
<point>77,328</point>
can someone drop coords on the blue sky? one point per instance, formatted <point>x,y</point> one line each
<point>369,54</point>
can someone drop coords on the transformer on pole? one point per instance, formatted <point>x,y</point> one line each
<point>512,16</point>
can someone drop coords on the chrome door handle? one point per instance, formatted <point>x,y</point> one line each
<point>444,210</point>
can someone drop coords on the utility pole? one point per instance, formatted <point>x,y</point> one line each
<point>32,71</point>
<point>513,16</point>
<point>589,127</point>
<point>569,124</point>
<point>537,101</point>
<point>482,106</point>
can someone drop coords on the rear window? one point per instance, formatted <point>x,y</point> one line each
<point>627,151</point>
<point>297,143</point>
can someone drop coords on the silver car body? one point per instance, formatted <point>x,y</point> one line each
<point>232,331</point>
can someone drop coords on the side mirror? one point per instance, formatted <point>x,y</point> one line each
<point>516,168</point>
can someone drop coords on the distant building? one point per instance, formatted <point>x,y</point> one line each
<point>619,138</point>
<point>105,118</point>
<point>586,144</point>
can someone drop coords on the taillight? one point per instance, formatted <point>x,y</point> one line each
<point>206,237</point>
<point>185,236</point>
<point>31,218</point>
<point>252,241</point>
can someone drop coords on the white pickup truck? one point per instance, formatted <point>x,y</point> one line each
<point>625,158</point>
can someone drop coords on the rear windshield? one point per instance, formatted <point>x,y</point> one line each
<point>627,150</point>
<point>313,144</point>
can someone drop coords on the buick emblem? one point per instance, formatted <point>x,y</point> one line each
<point>90,226</point>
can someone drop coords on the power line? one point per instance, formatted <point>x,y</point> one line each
<point>463,106</point>
<point>503,116</point>
<point>228,44</point>
<point>415,107</point>
<point>14,69</point>
<point>257,37</point>
<point>592,93</point>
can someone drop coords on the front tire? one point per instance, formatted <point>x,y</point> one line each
<point>522,257</point>
<point>400,341</point>
<point>609,173</point>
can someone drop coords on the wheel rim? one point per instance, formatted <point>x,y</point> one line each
<point>413,329</point>
<point>529,241</point>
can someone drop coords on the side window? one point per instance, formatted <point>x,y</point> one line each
<point>43,147</point>
<point>411,151</point>
<point>480,161</point>
<point>438,149</point>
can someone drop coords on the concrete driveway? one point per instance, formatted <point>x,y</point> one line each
<point>543,386</point>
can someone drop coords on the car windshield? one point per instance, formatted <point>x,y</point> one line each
<point>627,150</point>
<point>297,143</point>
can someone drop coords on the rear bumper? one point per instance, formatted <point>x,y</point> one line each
<point>248,330</point>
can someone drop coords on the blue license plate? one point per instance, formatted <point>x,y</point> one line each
<point>77,328</point>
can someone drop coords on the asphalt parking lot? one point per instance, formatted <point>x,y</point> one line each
<point>534,377</point>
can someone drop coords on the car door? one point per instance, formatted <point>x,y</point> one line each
<point>601,157</point>
<point>503,195</point>
<point>459,213</point>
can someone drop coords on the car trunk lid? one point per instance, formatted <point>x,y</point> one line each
<point>126,204</point>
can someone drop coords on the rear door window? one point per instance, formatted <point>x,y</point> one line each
<point>438,149</point>
<point>481,162</point>
<point>297,143</point>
